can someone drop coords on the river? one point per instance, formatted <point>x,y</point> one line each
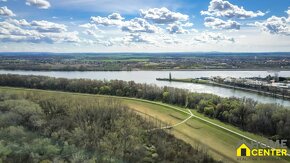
<point>149,77</point>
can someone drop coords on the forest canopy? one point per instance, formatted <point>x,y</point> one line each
<point>48,127</point>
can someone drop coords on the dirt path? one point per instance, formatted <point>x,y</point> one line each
<point>175,125</point>
<point>219,141</point>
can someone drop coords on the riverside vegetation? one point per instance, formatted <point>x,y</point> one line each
<point>50,127</point>
<point>269,120</point>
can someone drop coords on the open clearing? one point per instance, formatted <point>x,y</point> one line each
<point>220,143</point>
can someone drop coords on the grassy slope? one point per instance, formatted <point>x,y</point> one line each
<point>219,143</point>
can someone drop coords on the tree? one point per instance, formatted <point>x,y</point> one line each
<point>165,97</point>
<point>209,111</point>
<point>105,90</point>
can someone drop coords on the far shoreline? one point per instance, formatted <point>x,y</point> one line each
<point>136,70</point>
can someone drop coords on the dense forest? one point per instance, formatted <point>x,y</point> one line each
<point>270,120</point>
<point>48,127</point>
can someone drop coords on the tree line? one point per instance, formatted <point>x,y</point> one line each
<point>270,120</point>
<point>49,127</point>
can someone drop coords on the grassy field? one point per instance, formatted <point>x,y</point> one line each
<point>220,143</point>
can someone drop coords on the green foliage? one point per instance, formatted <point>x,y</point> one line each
<point>165,97</point>
<point>40,127</point>
<point>105,90</point>
<point>209,111</point>
<point>20,112</point>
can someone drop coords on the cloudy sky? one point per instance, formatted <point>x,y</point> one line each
<point>144,26</point>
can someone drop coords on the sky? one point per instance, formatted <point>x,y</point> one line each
<point>144,26</point>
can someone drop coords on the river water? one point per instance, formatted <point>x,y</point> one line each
<point>149,77</point>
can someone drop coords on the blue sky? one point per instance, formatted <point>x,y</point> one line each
<point>144,26</point>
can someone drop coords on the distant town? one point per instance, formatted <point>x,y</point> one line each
<point>269,81</point>
<point>144,61</point>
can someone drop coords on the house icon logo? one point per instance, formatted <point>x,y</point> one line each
<point>243,150</point>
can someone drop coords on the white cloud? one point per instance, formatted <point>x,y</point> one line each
<point>18,38</point>
<point>139,25</point>
<point>41,26</point>
<point>94,33</point>
<point>7,28</point>
<point>106,43</point>
<point>135,25</point>
<point>91,30</point>
<point>216,23</point>
<point>42,4</point>
<point>176,29</point>
<point>35,32</point>
<point>137,38</point>
<point>106,21</point>
<point>4,11</point>
<point>3,0</point>
<point>275,25</point>
<point>223,8</point>
<point>16,22</point>
<point>45,26</point>
<point>170,40</point>
<point>187,24</point>
<point>63,37</point>
<point>210,37</point>
<point>115,16</point>
<point>132,39</point>
<point>162,15</point>
<point>88,25</point>
<point>288,12</point>
<point>12,33</point>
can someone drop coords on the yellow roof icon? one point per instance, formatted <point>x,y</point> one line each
<point>243,150</point>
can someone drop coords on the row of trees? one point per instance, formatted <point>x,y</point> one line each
<point>271,120</point>
<point>48,127</point>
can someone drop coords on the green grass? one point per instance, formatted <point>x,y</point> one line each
<point>220,143</point>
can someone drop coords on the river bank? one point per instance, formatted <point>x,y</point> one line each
<point>208,82</point>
